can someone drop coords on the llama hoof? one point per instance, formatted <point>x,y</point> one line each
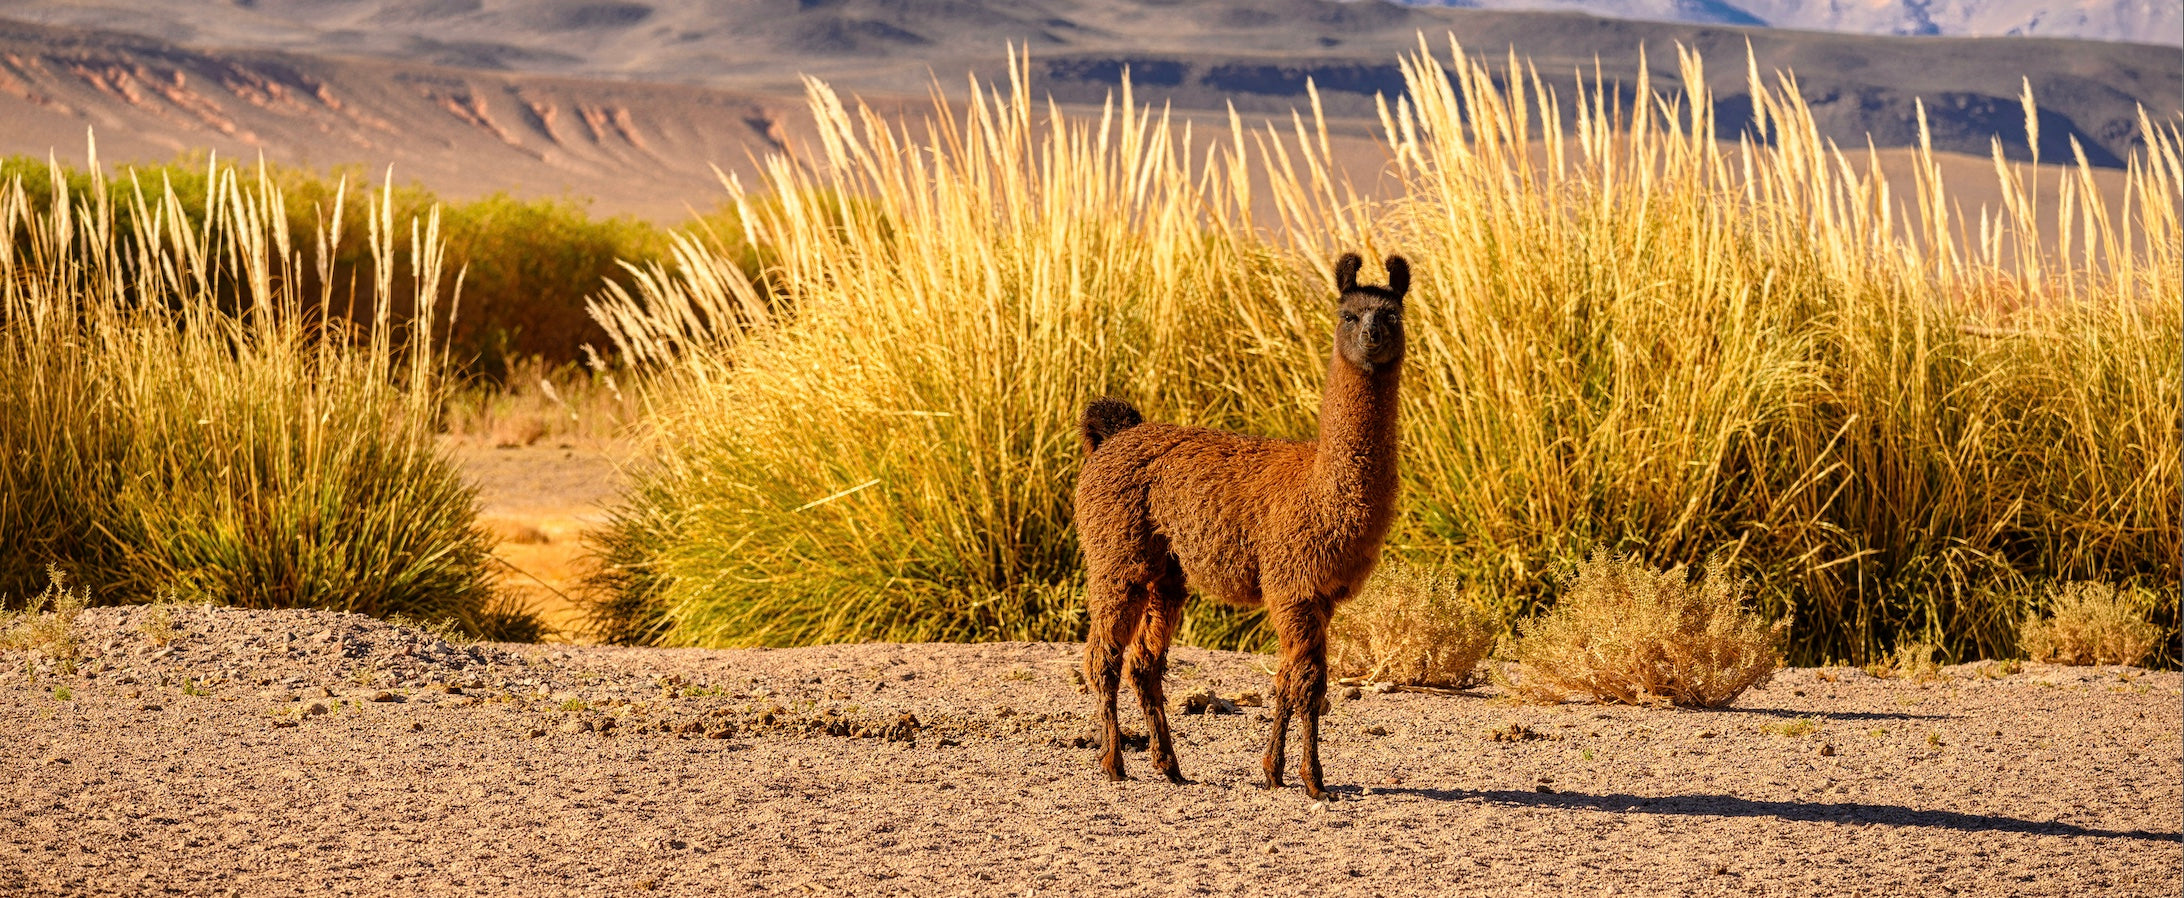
<point>1175,775</point>
<point>1321,795</point>
<point>1271,783</point>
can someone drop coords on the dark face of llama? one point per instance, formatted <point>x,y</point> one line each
<point>1370,334</point>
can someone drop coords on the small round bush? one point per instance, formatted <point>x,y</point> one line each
<point>1623,632</point>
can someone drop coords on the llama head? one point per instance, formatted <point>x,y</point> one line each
<point>1370,335</point>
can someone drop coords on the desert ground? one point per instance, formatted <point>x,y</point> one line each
<point>538,501</point>
<point>201,751</point>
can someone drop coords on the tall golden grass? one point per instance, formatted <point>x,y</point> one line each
<point>173,420</point>
<point>1637,334</point>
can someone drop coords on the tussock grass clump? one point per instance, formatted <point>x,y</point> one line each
<point>528,263</point>
<point>885,449</point>
<point>2092,623</point>
<point>173,419</point>
<point>1413,625</point>
<point>1624,632</point>
<point>1635,332</point>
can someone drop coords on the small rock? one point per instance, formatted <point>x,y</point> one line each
<point>57,759</point>
<point>1827,749</point>
<point>1271,848</point>
<point>1203,701</point>
<point>282,723</point>
<point>1248,700</point>
<point>1376,730</point>
<point>1352,693</point>
<point>316,709</point>
<point>1319,807</point>
<point>385,696</point>
<point>150,708</point>
<point>1544,789</point>
<point>534,733</point>
<point>1708,734</point>
<point>416,727</point>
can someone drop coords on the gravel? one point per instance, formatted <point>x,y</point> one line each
<point>290,752</point>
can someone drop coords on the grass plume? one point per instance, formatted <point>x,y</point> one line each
<point>177,420</point>
<point>1635,333</point>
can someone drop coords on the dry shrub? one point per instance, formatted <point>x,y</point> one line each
<point>47,624</point>
<point>1623,632</point>
<point>537,401</point>
<point>1412,625</point>
<point>1912,660</point>
<point>2092,623</point>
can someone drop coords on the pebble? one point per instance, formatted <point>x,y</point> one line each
<point>316,709</point>
<point>1376,730</point>
<point>385,696</point>
<point>1352,693</point>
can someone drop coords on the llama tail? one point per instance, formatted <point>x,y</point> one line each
<point>1103,418</point>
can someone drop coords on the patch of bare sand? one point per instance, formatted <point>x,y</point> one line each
<point>539,501</point>
<point>282,752</point>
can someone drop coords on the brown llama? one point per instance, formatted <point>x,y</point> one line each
<point>1294,526</point>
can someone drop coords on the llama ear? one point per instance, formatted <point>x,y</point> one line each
<point>1346,272</point>
<point>1398,276</point>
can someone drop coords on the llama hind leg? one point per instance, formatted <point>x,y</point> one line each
<point>1148,665</point>
<point>1117,609</point>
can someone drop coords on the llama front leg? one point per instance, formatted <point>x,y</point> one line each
<point>1300,686</point>
<point>1148,665</point>
<point>1117,610</point>
<point>1311,684</point>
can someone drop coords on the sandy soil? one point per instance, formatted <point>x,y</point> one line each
<point>540,501</point>
<point>217,752</point>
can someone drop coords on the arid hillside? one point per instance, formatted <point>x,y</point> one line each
<point>635,105</point>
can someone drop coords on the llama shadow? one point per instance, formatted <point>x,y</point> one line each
<point>1797,811</point>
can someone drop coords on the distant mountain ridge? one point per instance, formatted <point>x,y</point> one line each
<point>636,102</point>
<point>2128,21</point>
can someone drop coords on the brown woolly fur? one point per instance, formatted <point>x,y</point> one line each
<point>1293,526</point>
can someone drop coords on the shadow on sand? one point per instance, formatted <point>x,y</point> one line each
<point>1804,812</point>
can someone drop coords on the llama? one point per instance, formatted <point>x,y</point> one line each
<point>1294,526</point>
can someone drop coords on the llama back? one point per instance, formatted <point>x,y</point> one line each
<point>1103,418</point>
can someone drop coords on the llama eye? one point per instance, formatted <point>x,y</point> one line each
<point>1349,317</point>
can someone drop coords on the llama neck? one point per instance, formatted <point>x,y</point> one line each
<point>1355,461</point>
